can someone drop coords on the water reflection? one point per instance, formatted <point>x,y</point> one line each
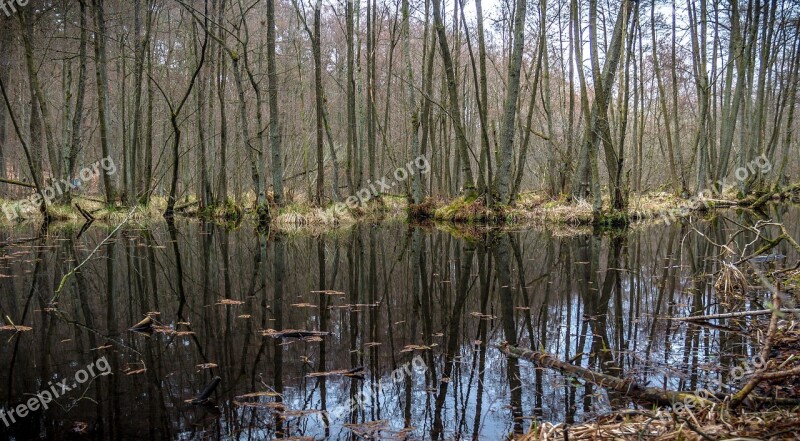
<point>386,294</point>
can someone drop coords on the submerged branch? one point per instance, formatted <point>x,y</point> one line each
<point>733,315</point>
<point>625,386</point>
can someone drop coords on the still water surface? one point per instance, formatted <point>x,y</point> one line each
<point>413,316</point>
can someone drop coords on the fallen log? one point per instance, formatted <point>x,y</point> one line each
<point>294,333</point>
<point>204,396</point>
<point>731,315</point>
<point>766,197</point>
<point>86,215</point>
<point>627,387</point>
<point>13,182</point>
<point>186,205</point>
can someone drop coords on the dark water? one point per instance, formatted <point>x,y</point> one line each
<point>420,310</point>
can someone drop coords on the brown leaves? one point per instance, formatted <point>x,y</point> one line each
<point>412,348</point>
<point>303,305</point>
<point>15,328</point>
<point>328,292</point>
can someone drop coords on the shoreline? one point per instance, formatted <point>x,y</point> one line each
<point>531,210</point>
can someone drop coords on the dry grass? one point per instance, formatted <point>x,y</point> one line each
<point>668,426</point>
<point>531,210</point>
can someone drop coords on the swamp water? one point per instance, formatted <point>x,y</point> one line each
<point>409,320</point>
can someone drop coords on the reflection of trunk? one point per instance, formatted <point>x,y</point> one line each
<point>484,270</point>
<point>372,297</point>
<point>324,317</point>
<point>569,386</point>
<point>112,325</point>
<point>502,254</point>
<point>597,307</point>
<point>38,282</point>
<point>173,235</point>
<point>354,263</point>
<point>585,277</point>
<point>278,274</point>
<point>451,349</point>
<point>416,279</point>
<point>664,287</point>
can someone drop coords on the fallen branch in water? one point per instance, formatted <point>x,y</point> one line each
<point>86,215</point>
<point>733,315</point>
<point>294,333</point>
<point>74,270</point>
<point>204,396</point>
<point>625,386</point>
<point>758,376</point>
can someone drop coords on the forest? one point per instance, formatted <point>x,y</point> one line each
<point>237,107</point>
<point>399,219</point>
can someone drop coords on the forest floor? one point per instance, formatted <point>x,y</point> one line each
<point>532,209</point>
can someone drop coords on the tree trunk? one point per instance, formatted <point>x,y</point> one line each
<point>455,107</point>
<point>103,109</point>
<point>75,146</point>
<point>274,127</point>
<point>510,107</point>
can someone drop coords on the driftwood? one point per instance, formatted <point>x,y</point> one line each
<point>207,392</point>
<point>627,387</point>
<point>732,315</point>
<point>186,205</point>
<point>86,215</point>
<point>13,182</point>
<point>294,333</point>
<point>77,268</point>
<point>145,325</point>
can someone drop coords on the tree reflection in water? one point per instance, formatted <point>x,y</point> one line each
<point>386,294</point>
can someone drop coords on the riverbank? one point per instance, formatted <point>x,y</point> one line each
<point>532,209</point>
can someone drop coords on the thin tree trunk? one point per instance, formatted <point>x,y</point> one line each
<point>319,99</point>
<point>103,109</point>
<point>39,99</point>
<point>416,183</point>
<point>274,127</point>
<point>75,146</point>
<point>455,107</point>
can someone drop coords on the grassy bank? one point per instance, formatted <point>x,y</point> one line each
<point>532,209</point>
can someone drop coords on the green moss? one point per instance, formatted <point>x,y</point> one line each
<point>469,209</point>
<point>613,219</point>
